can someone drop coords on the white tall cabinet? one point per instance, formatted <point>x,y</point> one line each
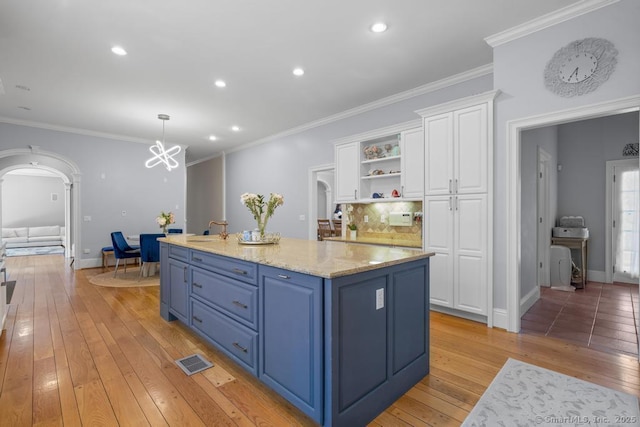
<point>458,226</point>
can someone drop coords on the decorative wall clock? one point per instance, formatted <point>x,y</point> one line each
<point>580,67</point>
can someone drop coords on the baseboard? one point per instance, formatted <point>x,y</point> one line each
<point>500,319</point>
<point>528,300</point>
<point>459,313</point>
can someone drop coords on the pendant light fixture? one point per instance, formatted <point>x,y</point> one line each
<point>160,155</point>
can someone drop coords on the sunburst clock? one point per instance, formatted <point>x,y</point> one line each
<point>580,67</point>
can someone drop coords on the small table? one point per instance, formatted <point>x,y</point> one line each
<point>576,243</point>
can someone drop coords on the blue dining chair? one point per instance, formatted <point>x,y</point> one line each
<point>122,250</point>
<point>149,250</point>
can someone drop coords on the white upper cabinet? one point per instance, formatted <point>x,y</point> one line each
<point>346,170</point>
<point>470,150</point>
<point>412,163</point>
<point>382,165</point>
<point>456,150</point>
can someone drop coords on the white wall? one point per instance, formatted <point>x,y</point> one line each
<point>282,165</point>
<point>583,150</point>
<point>518,73</point>
<point>27,201</point>
<point>113,179</point>
<point>205,195</point>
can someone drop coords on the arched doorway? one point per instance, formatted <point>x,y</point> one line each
<point>60,166</point>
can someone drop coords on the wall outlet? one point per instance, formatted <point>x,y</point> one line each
<point>379,298</point>
<point>366,218</point>
<point>86,251</point>
<point>124,213</point>
<point>383,218</point>
<point>87,218</point>
<point>301,217</point>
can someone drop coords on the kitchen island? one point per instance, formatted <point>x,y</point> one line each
<point>339,330</point>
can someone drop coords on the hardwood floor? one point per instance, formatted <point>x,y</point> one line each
<point>77,354</point>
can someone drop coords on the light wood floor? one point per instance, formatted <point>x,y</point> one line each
<point>77,354</point>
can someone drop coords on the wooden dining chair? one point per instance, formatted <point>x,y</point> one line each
<point>324,229</point>
<point>337,227</point>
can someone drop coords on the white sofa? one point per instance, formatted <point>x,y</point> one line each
<point>22,237</point>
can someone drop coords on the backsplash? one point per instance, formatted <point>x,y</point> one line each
<point>375,212</point>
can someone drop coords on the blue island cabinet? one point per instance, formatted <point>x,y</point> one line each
<point>340,349</point>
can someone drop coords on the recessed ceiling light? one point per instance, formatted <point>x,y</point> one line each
<point>379,27</point>
<point>220,83</point>
<point>298,71</point>
<point>212,138</point>
<point>118,50</point>
<point>235,128</point>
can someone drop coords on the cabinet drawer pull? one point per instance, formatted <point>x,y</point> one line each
<point>284,276</point>
<point>238,271</point>
<point>197,319</point>
<point>239,304</point>
<point>450,190</point>
<point>184,274</point>
<point>239,347</point>
<point>195,258</point>
<point>450,207</point>
<point>197,285</point>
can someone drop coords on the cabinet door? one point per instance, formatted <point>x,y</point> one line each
<point>470,134</point>
<point>179,289</point>
<point>347,168</point>
<point>438,238</point>
<point>412,162</point>
<point>291,337</point>
<point>438,151</point>
<point>470,276</point>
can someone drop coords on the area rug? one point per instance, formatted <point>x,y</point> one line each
<point>124,280</point>
<point>35,250</point>
<point>527,395</point>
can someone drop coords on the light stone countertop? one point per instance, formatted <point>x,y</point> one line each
<point>386,241</point>
<point>324,259</point>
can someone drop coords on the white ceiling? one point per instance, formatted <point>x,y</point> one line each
<point>57,69</point>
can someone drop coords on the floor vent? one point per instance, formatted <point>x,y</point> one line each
<point>193,364</point>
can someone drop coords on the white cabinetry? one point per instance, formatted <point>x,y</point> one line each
<point>381,161</point>
<point>347,179</point>
<point>412,163</point>
<point>458,202</point>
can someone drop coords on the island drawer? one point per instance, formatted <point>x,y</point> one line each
<point>232,338</point>
<point>238,269</point>
<point>178,252</point>
<point>236,299</point>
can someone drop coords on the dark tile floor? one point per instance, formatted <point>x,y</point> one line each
<point>601,316</point>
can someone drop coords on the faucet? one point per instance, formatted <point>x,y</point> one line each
<point>223,233</point>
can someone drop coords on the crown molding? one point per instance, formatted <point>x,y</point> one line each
<point>420,90</point>
<point>561,15</point>
<point>78,131</point>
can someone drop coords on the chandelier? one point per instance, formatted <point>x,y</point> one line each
<point>160,154</point>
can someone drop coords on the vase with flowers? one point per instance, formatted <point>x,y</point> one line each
<point>262,210</point>
<point>164,220</point>
<point>351,225</point>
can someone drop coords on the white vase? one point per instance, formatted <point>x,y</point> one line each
<point>353,234</point>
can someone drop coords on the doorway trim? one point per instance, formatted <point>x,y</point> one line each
<point>312,191</point>
<point>544,219</point>
<point>513,151</point>
<point>67,170</point>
